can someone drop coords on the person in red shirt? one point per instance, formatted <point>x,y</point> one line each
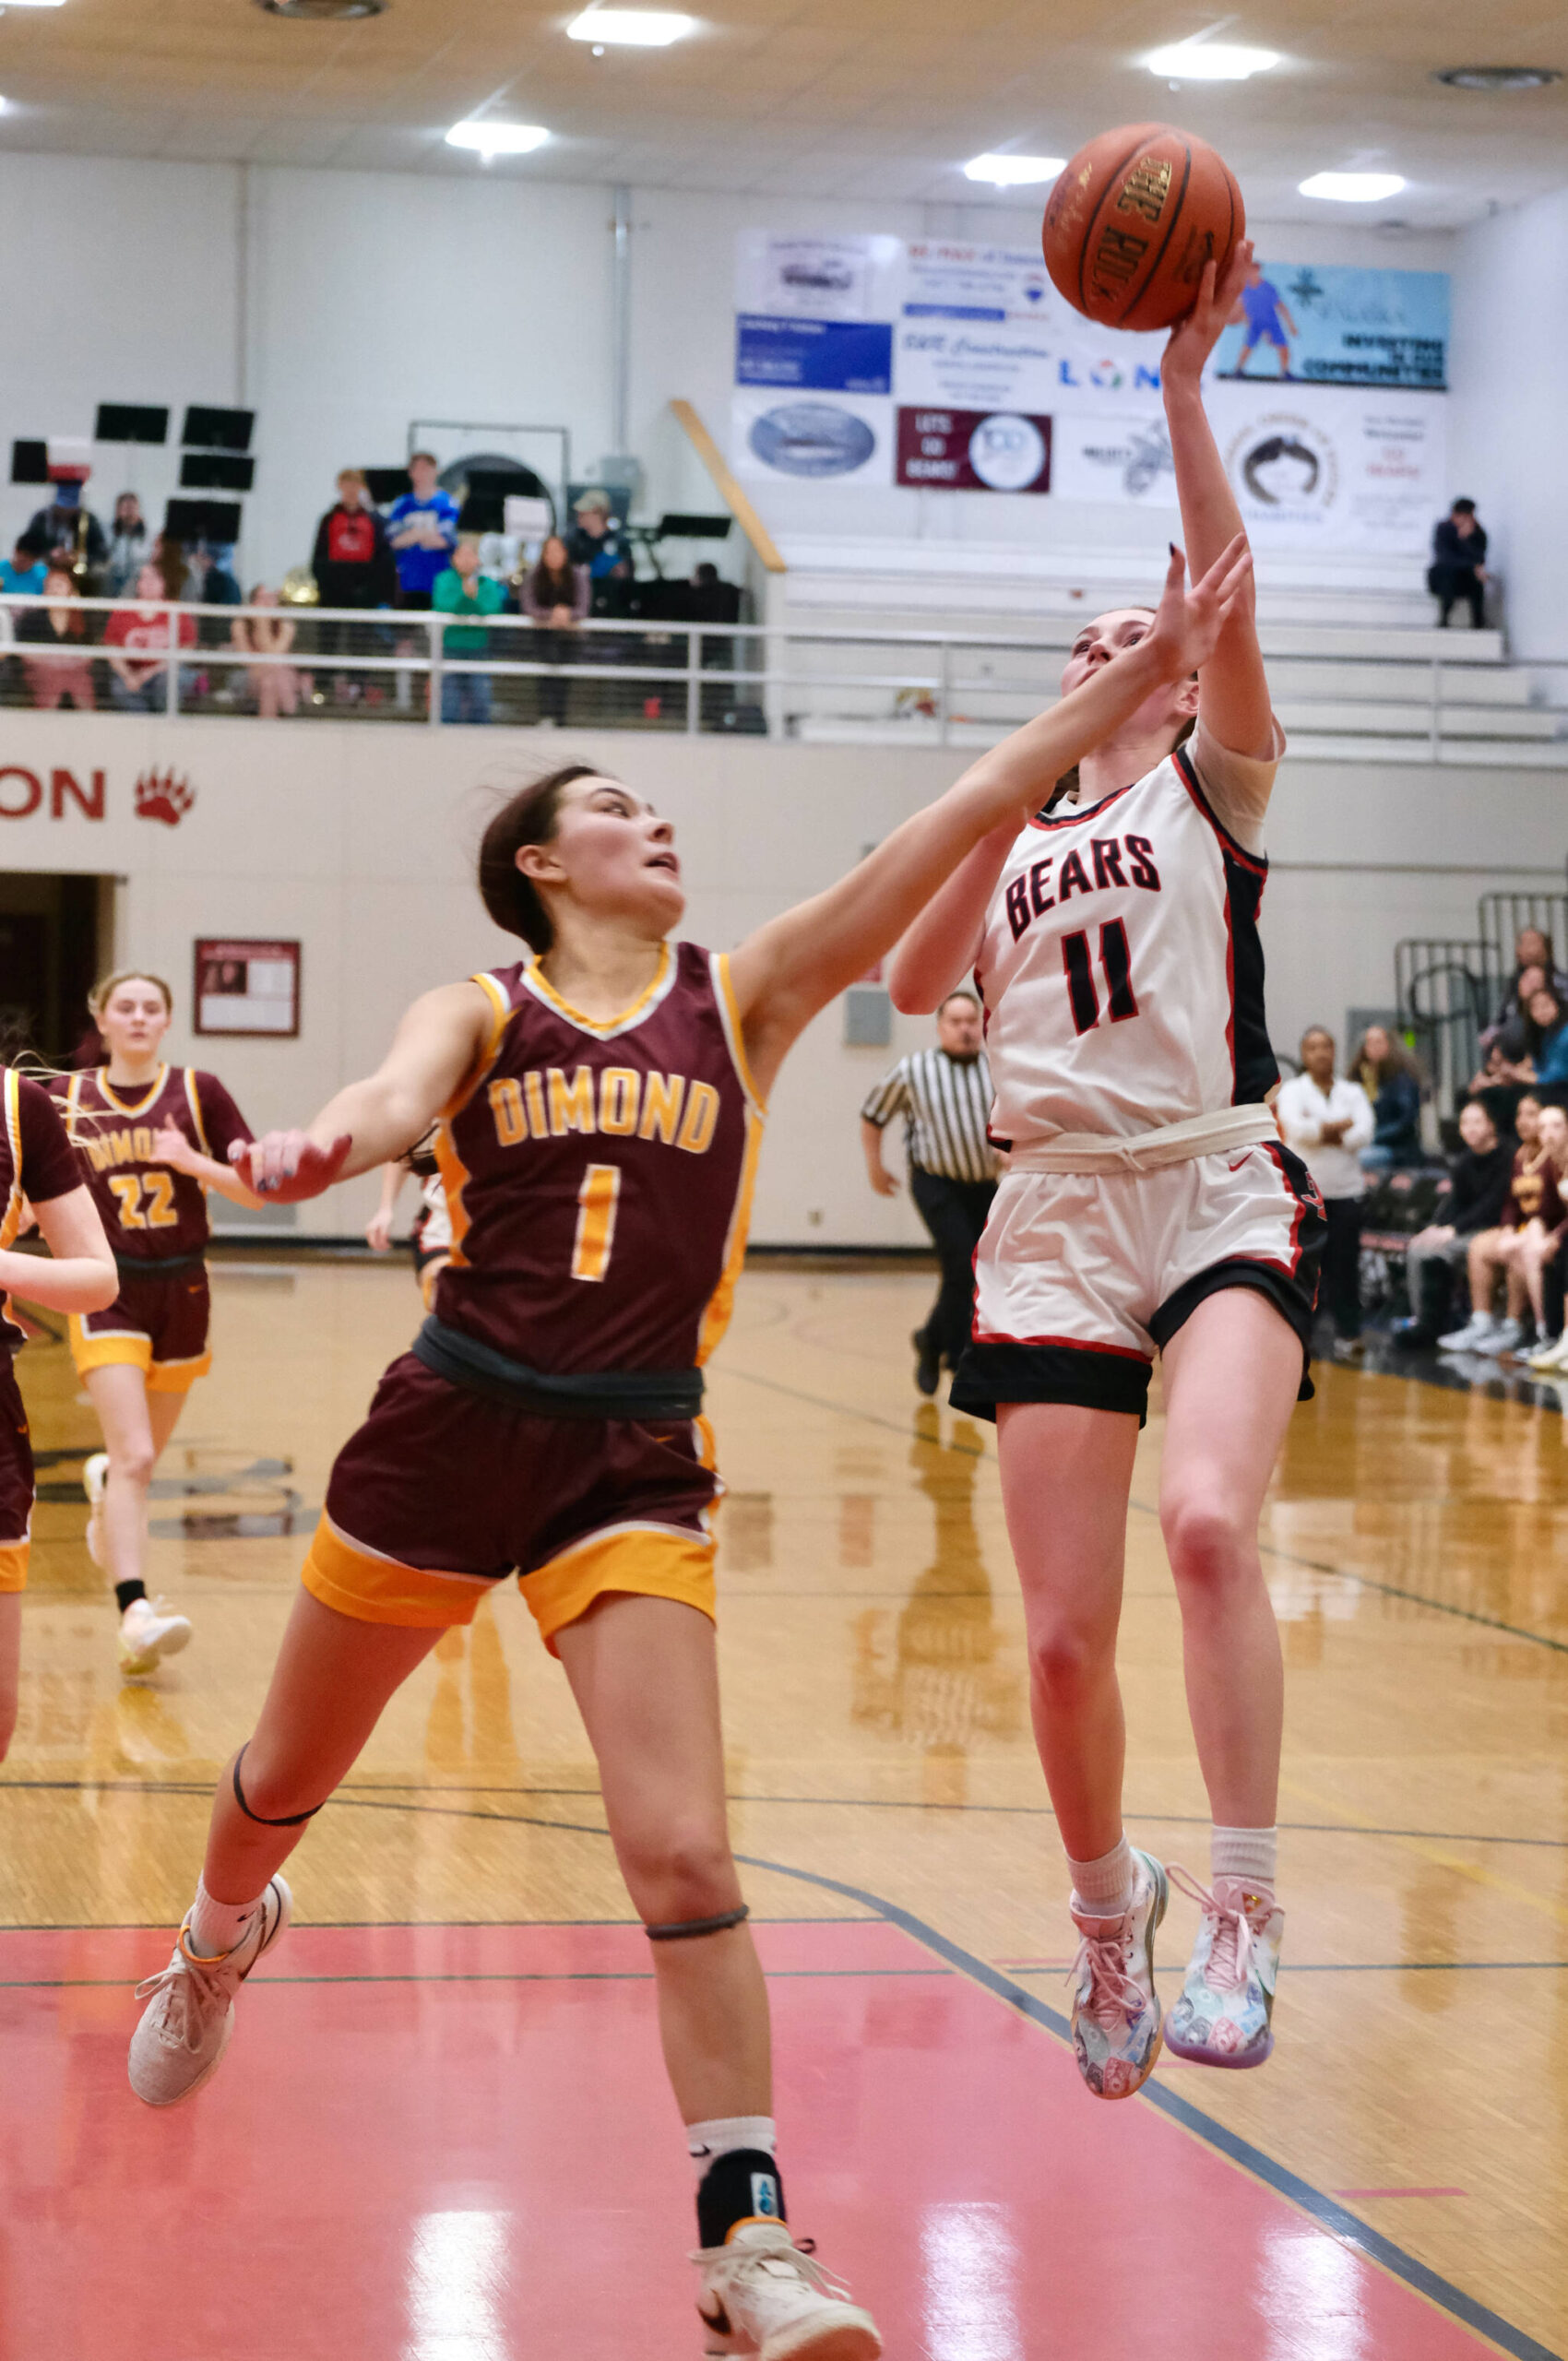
<point>354,566</point>
<point>138,678</point>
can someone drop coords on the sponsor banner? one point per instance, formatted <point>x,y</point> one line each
<point>1116,457</point>
<point>834,356</point>
<point>1317,466</point>
<point>817,279</point>
<point>968,450</point>
<point>946,278</point>
<point>982,327</point>
<point>1329,325</point>
<point>812,438</point>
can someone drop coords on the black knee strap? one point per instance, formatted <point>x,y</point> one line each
<point>684,1929</point>
<point>294,1820</point>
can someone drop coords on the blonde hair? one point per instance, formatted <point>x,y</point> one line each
<point>104,992</point>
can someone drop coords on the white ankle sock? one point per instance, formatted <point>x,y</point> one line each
<point>216,1926</point>
<point>706,2142</point>
<point>1103,1888</point>
<point>1250,1854</point>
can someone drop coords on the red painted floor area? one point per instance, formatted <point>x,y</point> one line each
<point>456,2145</point>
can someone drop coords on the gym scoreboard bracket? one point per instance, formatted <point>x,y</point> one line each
<point>247,987</point>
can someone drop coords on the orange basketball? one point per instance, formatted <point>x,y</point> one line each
<point>1134,218</point>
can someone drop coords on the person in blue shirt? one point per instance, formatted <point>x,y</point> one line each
<point>423,528</point>
<point>24,570</point>
<point>1266,314</point>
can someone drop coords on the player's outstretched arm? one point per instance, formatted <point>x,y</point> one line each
<point>78,1273</point>
<point>438,1045</point>
<point>1233,690</point>
<point>172,1147</point>
<point>795,965</point>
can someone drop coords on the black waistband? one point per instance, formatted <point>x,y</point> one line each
<point>166,1266</point>
<point>640,1394</point>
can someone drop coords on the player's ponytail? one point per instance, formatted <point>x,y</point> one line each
<point>526,818</point>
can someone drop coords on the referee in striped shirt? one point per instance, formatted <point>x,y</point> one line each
<point>944,1096</point>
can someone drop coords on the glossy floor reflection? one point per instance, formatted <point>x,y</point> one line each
<point>442,2133</point>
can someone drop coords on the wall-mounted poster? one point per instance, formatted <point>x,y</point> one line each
<point>1326,324</point>
<point>247,986</point>
<point>811,437</point>
<point>832,356</point>
<point>817,278</point>
<point>1321,467</point>
<point>968,450</point>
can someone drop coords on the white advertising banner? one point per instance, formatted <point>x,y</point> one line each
<point>1333,468</point>
<point>1110,455</point>
<point>811,437</point>
<point>817,279</point>
<point>981,328</point>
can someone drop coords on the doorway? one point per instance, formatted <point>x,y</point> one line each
<point>52,931</point>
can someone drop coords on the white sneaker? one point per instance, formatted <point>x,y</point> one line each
<point>149,1629</point>
<point>1505,1337</point>
<point>189,2015</point>
<point>1472,1337</point>
<point>764,2295</point>
<point>95,1476</point>
<point>1552,1356</point>
<point>1115,2005</point>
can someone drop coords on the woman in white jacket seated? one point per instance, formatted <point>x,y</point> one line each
<point>1328,1120</point>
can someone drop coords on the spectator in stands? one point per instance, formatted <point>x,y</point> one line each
<point>1392,1080</point>
<point>168,561</point>
<point>24,570</point>
<point>70,534</point>
<point>353,565</point>
<point>1471,1200</point>
<point>1499,1253</point>
<point>138,681</point>
<point>1548,1016</point>
<point>127,546</point>
<point>595,538</point>
<point>276,687</point>
<point>1511,1039</point>
<point>1458,564</point>
<point>1328,1120</point>
<point>66,671</point>
<point>1540,1241</point>
<point>463,592</point>
<point>556,599</point>
<point>423,529</point>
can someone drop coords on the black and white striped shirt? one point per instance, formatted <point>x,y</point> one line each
<point>945,1103</point>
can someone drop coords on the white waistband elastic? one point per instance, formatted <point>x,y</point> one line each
<point>1228,1127</point>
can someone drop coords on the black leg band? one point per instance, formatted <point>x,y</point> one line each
<point>684,1929</point>
<point>294,1819</point>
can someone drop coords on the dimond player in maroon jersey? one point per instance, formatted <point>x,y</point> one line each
<point>601,1110</point>
<point>152,1139</point>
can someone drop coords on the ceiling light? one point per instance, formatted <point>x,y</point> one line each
<point>318,11</point>
<point>1210,61</point>
<point>1353,188</point>
<point>1013,171</point>
<point>631,28</point>
<point>35,4</point>
<point>498,139</point>
<point>1498,77</point>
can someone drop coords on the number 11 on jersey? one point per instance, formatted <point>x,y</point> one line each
<point>597,1200</point>
<point>1117,962</point>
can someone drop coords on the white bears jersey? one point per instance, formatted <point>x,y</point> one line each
<point>1121,966</point>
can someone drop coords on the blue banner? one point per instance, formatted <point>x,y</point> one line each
<point>1330,324</point>
<point>827,356</point>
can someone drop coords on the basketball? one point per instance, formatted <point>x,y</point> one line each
<point>1132,220</point>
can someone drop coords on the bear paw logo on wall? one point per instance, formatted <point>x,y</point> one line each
<point>163,796</point>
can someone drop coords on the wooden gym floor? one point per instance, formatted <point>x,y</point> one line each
<point>442,2134</point>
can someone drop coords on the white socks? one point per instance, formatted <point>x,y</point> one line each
<point>706,2142</point>
<point>216,1926</point>
<point>1249,1854</point>
<point>1103,1888</point>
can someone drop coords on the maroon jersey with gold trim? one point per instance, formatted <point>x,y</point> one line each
<point>37,1162</point>
<point>152,1213</point>
<point>600,1176</point>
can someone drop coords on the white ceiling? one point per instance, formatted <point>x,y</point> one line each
<point>870,100</point>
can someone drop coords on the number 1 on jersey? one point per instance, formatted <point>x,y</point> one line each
<point>597,1201</point>
<point>1116,960</point>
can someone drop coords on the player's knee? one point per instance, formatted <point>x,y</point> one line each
<point>685,1871</point>
<point>1067,1658</point>
<point>275,1791</point>
<point>1207,1538</point>
<point>134,1463</point>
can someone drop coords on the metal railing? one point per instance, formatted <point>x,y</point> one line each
<point>824,684</point>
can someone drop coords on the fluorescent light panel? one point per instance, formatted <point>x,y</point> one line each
<point>498,139</point>
<point>1352,188</point>
<point>1210,61</point>
<point>631,28</point>
<point>1013,171</point>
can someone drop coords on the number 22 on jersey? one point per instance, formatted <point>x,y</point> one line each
<point>597,1200</point>
<point>159,1212</point>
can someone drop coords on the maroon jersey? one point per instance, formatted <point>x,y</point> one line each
<point>37,1162</point>
<point>600,1177</point>
<point>152,1213</point>
<point>1534,1192</point>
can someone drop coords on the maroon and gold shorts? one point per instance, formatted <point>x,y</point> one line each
<point>16,1483</point>
<point>443,1493</point>
<point>159,1326</point>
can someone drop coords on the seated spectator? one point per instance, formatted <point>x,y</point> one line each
<point>556,599</point>
<point>1540,1239</point>
<point>127,546</point>
<point>1392,1080</point>
<point>69,534</point>
<point>462,592</point>
<point>1551,1022</point>
<point>1328,1120</point>
<point>1503,1252</point>
<point>1511,1040</point>
<point>1472,1199</point>
<point>1532,948</point>
<point>138,681</point>
<point>353,567</point>
<point>60,627</point>
<point>174,572</point>
<point>24,570</point>
<point>276,687</point>
<point>423,529</point>
<point>1458,564</point>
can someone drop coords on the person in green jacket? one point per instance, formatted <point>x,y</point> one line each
<point>463,592</point>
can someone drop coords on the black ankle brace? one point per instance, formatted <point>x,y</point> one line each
<point>294,1820</point>
<point>744,2186</point>
<point>682,1929</point>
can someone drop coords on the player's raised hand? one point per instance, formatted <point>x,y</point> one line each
<point>1188,623</point>
<point>1194,337</point>
<point>288,1167</point>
